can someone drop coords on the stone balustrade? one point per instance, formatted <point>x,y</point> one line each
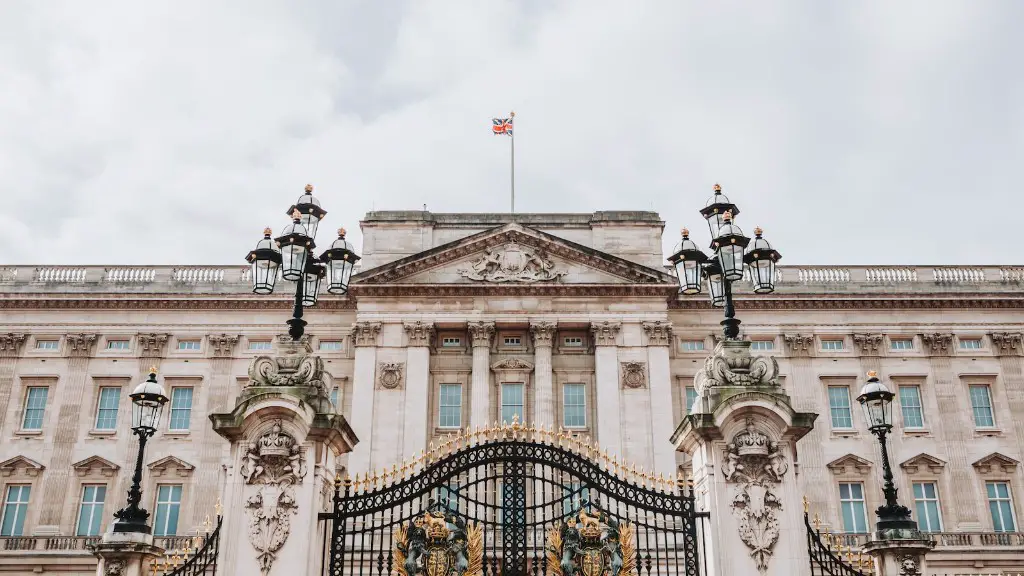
<point>9,544</point>
<point>947,540</point>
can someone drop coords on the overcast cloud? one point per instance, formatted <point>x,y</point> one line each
<point>173,132</point>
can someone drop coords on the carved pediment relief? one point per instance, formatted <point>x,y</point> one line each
<point>849,464</point>
<point>923,463</point>
<point>170,465</point>
<point>95,465</point>
<point>996,463</point>
<point>512,363</point>
<point>20,465</point>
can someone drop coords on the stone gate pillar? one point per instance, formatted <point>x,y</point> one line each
<point>742,438</point>
<point>285,441</point>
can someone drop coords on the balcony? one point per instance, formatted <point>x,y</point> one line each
<point>56,544</point>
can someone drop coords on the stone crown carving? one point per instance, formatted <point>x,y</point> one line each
<point>869,344</point>
<point>11,343</point>
<point>481,333</point>
<point>543,333</point>
<point>389,374</point>
<point>365,333</point>
<point>1006,343</point>
<point>938,343</point>
<point>732,364</point>
<point>419,333</point>
<point>512,263</point>
<point>605,333</point>
<point>152,345</point>
<point>81,345</point>
<point>634,375</point>
<point>295,366</point>
<point>799,344</point>
<point>658,333</point>
<point>222,345</point>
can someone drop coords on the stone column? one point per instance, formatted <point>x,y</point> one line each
<point>212,450</point>
<point>57,480</point>
<point>742,438</point>
<point>954,430</point>
<point>659,338</point>
<point>420,335</point>
<point>544,402</point>
<point>900,554</point>
<point>1008,347</point>
<point>285,441</point>
<point>606,368</point>
<point>126,554</point>
<point>364,337</point>
<point>481,334</point>
<point>805,389</point>
<point>10,349</point>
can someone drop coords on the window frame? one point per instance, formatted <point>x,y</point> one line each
<point>99,408</point>
<point>21,509</point>
<point>26,408</point>
<point>1008,499</point>
<point>925,499</point>
<point>186,345</point>
<point>692,346</point>
<point>920,406</point>
<point>54,341</point>
<point>522,402</point>
<point>849,408</point>
<point>582,386</point>
<point>161,532</point>
<point>107,344</point>
<point>330,346</point>
<point>974,409</point>
<point>962,340</point>
<point>769,348</point>
<point>823,344</point>
<point>441,387</point>
<point>171,409</point>
<point>257,345</point>
<point>893,340</point>
<point>94,514</point>
<point>863,506</point>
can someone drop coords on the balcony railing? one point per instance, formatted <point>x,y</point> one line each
<point>76,543</point>
<point>955,539</point>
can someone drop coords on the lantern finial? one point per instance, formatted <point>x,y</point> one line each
<point>872,374</point>
<point>152,370</point>
<point>309,187</point>
<point>758,231</point>
<point>267,231</point>
<point>296,214</point>
<point>685,231</point>
<point>727,216</point>
<point>718,188</point>
<point>341,232</point>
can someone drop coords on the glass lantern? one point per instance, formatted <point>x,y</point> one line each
<point>689,263</point>
<point>311,283</point>
<point>715,209</point>
<point>340,259</point>
<point>295,246</point>
<point>761,259</point>
<point>148,401</point>
<point>310,211</point>
<point>265,260</point>
<point>716,284</point>
<point>728,247</point>
<point>876,400</point>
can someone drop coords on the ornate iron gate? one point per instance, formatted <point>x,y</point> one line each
<point>512,501</point>
<point>830,555</point>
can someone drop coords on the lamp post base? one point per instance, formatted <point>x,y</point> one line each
<point>894,518</point>
<point>296,328</point>
<point>137,526</point>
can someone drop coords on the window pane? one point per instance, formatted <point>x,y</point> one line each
<point>574,403</point>
<point>90,515</point>
<point>330,346</point>
<point>981,405</point>
<point>451,405</point>
<point>106,408</point>
<point>181,408</point>
<point>15,506</point>
<point>839,406</point>
<point>35,408</point>
<point>691,397</point>
<point>910,405</point>
<point>334,397</point>
<point>693,345</point>
<point>1000,506</point>
<point>168,503</point>
<point>762,345</point>
<point>511,402</point>
<point>851,504</point>
<point>926,504</point>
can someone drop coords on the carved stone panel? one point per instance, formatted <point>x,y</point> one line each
<point>512,263</point>
<point>222,345</point>
<point>1006,343</point>
<point>10,344</point>
<point>295,366</point>
<point>868,344</point>
<point>799,344</point>
<point>634,374</point>
<point>81,344</point>
<point>910,564</point>
<point>152,345</point>
<point>938,344</point>
<point>389,375</point>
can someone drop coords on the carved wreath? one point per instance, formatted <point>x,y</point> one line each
<point>391,374</point>
<point>634,374</point>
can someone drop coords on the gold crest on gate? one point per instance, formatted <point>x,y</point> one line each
<point>591,544</point>
<point>438,543</point>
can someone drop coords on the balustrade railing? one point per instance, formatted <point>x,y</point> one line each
<point>60,274</point>
<point>197,275</point>
<point>130,275</point>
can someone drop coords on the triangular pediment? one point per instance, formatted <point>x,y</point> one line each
<point>95,463</point>
<point>27,465</point>
<point>849,464</point>
<point>168,464</point>
<point>923,463</point>
<point>996,463</point>
<point>512,256</point>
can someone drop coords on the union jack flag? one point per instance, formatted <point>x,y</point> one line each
<point>502,126</point>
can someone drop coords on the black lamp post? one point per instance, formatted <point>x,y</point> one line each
<point>291,256</point>
<point>733,252</point>
<point>148,401</point>
<point>876,400</point>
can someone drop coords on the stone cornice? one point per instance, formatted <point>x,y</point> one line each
<point>155,302</point>
<point>661,291</point>
<point>853,302</point>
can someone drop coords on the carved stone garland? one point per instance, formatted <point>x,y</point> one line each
<point>275,462</point>
<point>512,263</point>
<point>756,465</point>
<point>634,375</point>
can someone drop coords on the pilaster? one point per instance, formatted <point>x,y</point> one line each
<point>213,452</point>
<point>1007,346</point>
<point>419,336</point>
<point>481,335</point>
<point>543,334</point>
<point>870,347</point>
<point>606,368</point>
<point>55,485</point>
<point>10,348</point>
<point>806,392</point>
<point>659,337</point>
<point>364,337</point>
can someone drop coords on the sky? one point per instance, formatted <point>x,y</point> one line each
<point>167,132</point>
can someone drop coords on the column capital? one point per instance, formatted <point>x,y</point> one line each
<point>152,345</point>
<point>543,333</point>
<point>365,333</point>
<point>869,344</point>
<point>940,344</point>
<point>222,345</point>
<point>11,343</point>
<point>81,345</point>
<point>605,333</point>
<point>659,333</point>
<point>1006,343</point>
<point>419,333</point>
<point>481,333</point>
<point>799,344</point>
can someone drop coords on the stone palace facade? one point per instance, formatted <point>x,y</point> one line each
<point>457,321</point>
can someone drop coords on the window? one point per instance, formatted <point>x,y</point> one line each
<point>693,345</point>
<point>259,345</point>
<point>851,502</point>
<point>329,345</point>
<point>901,344</point>
<point>981,405</point>
<point>970,343</point>
<point>513,341</point>
<point>47,344</point>
<point>450,406</point>
<point>119,344</point>
<point>334,397</point>
<point>35,408</point>
<point>926,504</point>
<point>512,402</point>
<point>574,405</point>
<point>762,345</point>
<point>573,341</point>
<point>999,504</point>
<point>574,496</point>
<point>106,408</point>
<point>910,406</point>
<point>691,397</point>
<point>15,507</point>
<point>90,513</point>
<point>189,345</point>
<point>451,342</point>
<point>168,504</point>
<point>181,408</point>
<point>832,344</point>
<point>839,406</point>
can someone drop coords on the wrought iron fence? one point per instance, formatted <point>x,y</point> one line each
<point>196,556</point>
<point>830,555</point>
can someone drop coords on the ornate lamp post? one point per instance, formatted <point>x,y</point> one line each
<point>876,400</point>
<point>148,401</point>
<point>733,252</point>
<point>291,256</point>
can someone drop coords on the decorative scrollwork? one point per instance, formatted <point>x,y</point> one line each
<point>634,374</point>
<point>438,543</point>
<point>390,374</point>
<point>731,364</point>
<point>513,263</point>
<point>591,545</point>
<point>296,366</point>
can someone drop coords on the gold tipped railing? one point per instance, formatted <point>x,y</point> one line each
<point>828,548</point>
<point>184,560</point>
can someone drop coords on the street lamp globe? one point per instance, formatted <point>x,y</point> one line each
<point>311,290</point>
<point>265,260</point>
<point>148,401</point>
<point>689,263</point>
<point>729,246</point>
<point>876,400</point>
<point>761,259</point>
<point>715,208</point>
<point>295,244</point>
<point>340,259</point>
<point>309,208</point>
<point>716,283</point>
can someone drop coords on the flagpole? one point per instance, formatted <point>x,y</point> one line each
<point>513,168</point>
